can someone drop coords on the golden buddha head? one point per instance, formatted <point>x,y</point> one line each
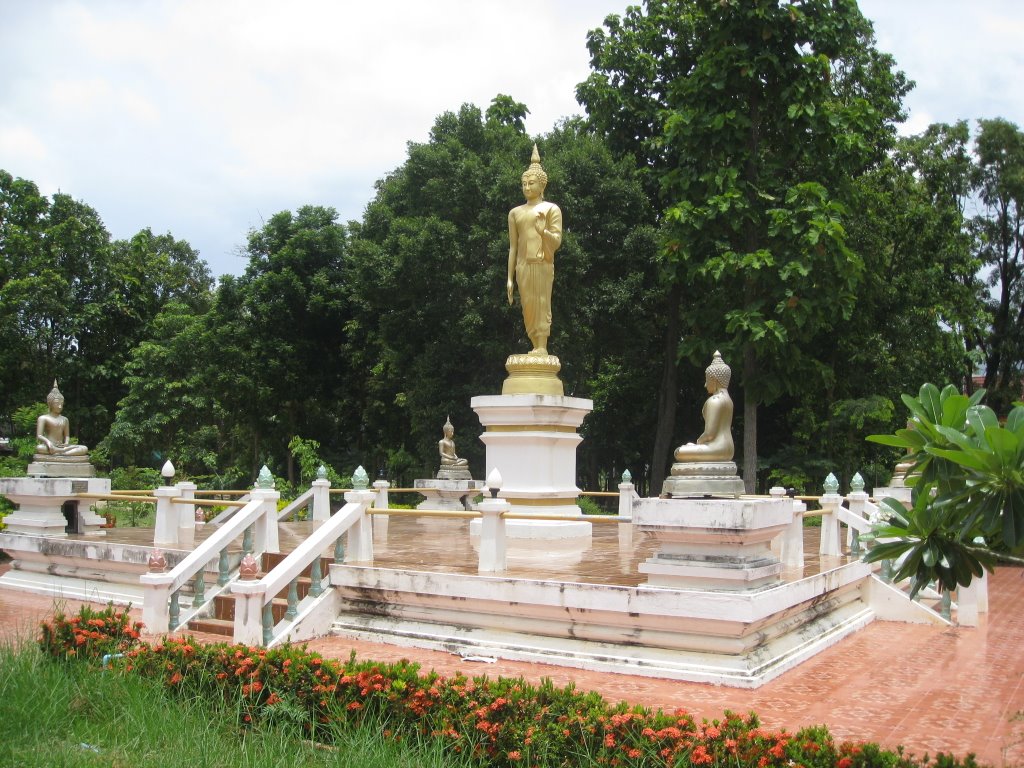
<point>535,171</point>
<point>718,372</point>
<point>55,398</point>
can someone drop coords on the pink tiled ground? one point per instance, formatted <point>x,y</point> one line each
<point>956,690</point>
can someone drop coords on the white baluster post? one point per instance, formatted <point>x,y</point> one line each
<point>249,599</point>
<point>627,492</point>
<point>380,522</point>
<point>360,535</point>
<point>266,538</point>
<point>156,590</point>
<point>165,530</point>
<point>321,499</point>
<point>492,529</point>
<point>493,548</point>
<point>186,513</point>
<point>858,501</point>
<point>627,496</point>
<point>830,502</point>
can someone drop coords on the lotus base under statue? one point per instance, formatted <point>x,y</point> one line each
<point>716,479</point>
<point>453,473</point>
<point>60,466</point>
<point>532,375</point>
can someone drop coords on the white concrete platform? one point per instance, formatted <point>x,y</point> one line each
<point>727,637</point>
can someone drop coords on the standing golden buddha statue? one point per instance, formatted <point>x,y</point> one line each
<point>534,233</point>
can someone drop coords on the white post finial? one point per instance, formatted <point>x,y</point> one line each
<point>494,482</point>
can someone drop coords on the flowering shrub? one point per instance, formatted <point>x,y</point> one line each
<point>91,634</point>
<point>503,722</point>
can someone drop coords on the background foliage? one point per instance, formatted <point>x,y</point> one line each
<point>737,183</point>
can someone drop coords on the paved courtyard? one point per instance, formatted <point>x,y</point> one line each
<point>930,689</point>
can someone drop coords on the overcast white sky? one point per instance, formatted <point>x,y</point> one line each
<point>204,117</point>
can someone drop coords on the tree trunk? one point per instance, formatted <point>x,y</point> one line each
<point>667,393</point>
<point>749,420</point>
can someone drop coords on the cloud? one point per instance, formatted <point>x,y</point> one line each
<point>204,118</point>
<point>21,141</point>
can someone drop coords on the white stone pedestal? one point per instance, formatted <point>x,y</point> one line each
<point>531,440</point>
<point>40,500</point>
<point>715,544</point>
<point>447,495</point>
<point>896,490</point>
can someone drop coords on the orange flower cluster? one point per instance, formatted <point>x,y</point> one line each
<point>91,633</point>
<point>501,722</point>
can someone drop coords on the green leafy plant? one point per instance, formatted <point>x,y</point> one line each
<point>923,540</point>
<point>89,634</point>
<point>503,722</point>
<point>967,477</point>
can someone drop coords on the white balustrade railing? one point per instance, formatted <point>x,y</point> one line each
<point>318,498</point>
<point>161,607</point>
<point>297,504</point>
<point>254,623</point>
<point>227,513</point>
<point>788,546</point>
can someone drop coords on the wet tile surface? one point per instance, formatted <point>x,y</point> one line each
<point>930,689</point>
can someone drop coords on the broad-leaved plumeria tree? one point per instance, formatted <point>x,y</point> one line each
<point>968,490</point>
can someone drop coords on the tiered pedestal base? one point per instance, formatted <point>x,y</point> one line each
<point>452,473</point>
<point>713,544</point>
<point>531,440</point>
<point>532,374</point>
<point>705,478</point>
<point>447,495</point>
<point>897,489</point>
<point>41,500</point>
<point>61,466</point>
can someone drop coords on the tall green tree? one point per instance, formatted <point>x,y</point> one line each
<point>170,410</point>
<point>224,384</point>
<point>751,119</point>
<point>915,313</point>
<point>431,319</point>
<point>73,304</point>
<point>23,212</point>
<point>294,304</point>
<point>998,182</point>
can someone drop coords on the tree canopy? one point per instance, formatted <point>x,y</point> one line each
<point>736,184</point>
<point>751,120</point>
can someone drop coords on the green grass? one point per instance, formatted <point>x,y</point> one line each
<point>57,714</point>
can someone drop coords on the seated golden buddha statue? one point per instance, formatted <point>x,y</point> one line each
<point>53,428</point>
<point>715,443</point>
<point>705,467</point>
<point>452,467</point>
<point>56,455</point>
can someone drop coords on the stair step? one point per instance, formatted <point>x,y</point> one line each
<point>224,609</point>
<point>271,559</point>
<point>224,604</point>
<point>213,626</point>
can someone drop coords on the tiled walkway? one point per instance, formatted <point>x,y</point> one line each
<point>956,690</point>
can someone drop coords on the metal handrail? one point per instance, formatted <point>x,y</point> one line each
<point>450,513</point>
<point>116,497</point>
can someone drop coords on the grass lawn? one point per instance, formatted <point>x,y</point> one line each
<point>68,714</point>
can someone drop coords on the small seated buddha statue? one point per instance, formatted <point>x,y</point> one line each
<point>55,454</point>
<point>452,467</point>
<point>705,467</point>
<point>52,430</point>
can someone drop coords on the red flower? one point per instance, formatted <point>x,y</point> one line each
<point>844,763</point>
